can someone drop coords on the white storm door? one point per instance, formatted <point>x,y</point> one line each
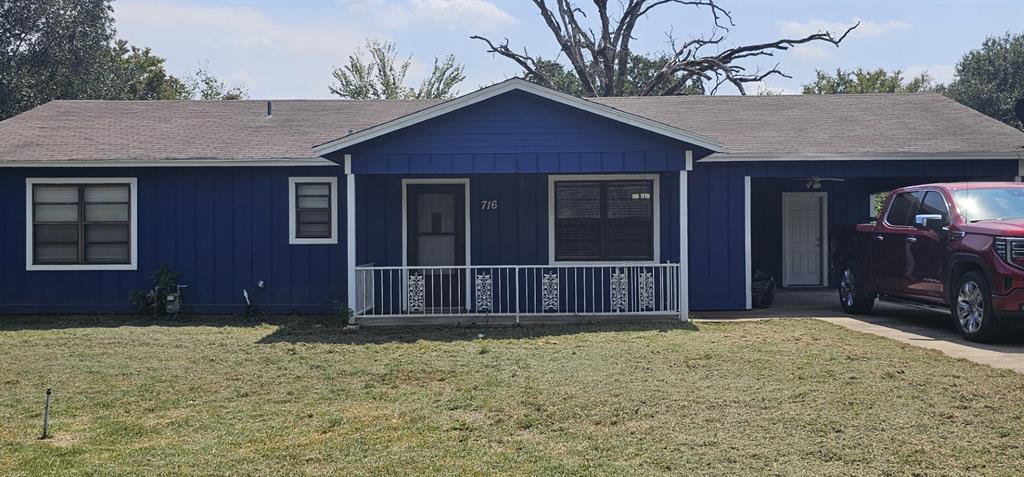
<point>803,258</point>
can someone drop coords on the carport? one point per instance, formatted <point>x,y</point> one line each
<point>796,219</point>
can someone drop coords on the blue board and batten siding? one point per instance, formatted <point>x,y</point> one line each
<point>223,228</point>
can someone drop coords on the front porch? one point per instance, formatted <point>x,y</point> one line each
<point>516,248</point>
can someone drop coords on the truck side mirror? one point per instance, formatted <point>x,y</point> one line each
<point>928,221</point>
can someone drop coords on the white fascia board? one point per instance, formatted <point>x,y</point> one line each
<point>946,156</point>
<point>521,85</point>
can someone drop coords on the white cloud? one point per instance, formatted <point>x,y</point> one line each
<point>242,44</point>
<point>867,29</point>
<point>943,74</point>
<point>446,14</point>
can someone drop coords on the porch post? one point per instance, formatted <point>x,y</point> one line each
<point>747,260</point>
<point>350,232</point>
<point>684,227</point>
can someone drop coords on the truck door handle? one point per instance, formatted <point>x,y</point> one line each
<point>879,237</point>
<point>911,239</point>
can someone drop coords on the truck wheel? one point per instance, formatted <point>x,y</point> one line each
<point>972,308</point>
<point>851,291</point>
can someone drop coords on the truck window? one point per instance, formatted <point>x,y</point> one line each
<point>903,209</point>
<point>933,203</point>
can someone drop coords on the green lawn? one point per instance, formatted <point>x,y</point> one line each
<point>303,397</point>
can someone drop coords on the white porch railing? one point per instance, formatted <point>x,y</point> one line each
<point>517,290</point>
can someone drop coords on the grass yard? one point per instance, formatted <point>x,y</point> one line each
<point>303,397</point>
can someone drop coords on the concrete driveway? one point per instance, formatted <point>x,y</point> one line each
<point>923,328</point>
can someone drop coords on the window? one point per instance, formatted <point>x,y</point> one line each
<point>903,208</point>
<point>990,203</point>
<point>933,203</point>
<point>604,220</point>
<point>81,224</point>
<point>313,204</point>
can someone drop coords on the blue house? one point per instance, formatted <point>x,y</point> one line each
<point>514,201</point>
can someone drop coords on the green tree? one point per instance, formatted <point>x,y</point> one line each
<point>862,81</point>
<point>991,79</point>
<point>53,49</point>
<point>136,73</point>
<point>205,86</point>
<point>383,76</point>
<point>66,49</point>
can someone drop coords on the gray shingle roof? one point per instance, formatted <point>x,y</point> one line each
<point>158,130</point>
<point>751,125</point>
<point>863,124</point>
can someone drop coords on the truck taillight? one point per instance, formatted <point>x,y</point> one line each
<point>1011,250</point>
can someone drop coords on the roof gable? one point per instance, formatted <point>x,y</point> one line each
<point>516,84</point>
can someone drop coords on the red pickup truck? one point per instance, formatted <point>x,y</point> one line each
<point>959,247</point>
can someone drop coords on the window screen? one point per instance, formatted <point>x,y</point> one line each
<point>604,220</point>
<point>313,213</point>
<point>81,224</point>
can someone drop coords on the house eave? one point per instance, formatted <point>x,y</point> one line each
<point>980,156</point>
<point>296,162</point>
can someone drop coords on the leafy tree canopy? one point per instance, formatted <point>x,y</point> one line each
<point>862,81</point>
<point>66,49</point>
<point>382,76</point>
<point>53,49</point>
<point>991,78</point>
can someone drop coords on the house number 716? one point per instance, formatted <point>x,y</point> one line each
<point>488,205</point>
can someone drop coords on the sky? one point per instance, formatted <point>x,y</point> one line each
<point>280,49</point>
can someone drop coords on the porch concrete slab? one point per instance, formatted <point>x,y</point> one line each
<point>916,327</point>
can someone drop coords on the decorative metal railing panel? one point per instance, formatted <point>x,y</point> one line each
<point>519,290</point>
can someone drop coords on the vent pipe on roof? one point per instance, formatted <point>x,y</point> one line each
<point>270,109</point>
<point>349,132</point>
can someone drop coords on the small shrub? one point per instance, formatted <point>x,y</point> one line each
<point>154,302</point>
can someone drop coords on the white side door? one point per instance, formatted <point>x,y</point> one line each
<point>803,252</point>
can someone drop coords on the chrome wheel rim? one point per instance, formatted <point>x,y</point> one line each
<point>847,287</point>
<point>970,306</point>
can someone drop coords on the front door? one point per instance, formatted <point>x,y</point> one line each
<point>892,244</point>
<point>802,220</point>
<point>926,246</point>
<point>436,241</point>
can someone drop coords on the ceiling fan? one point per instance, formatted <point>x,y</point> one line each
<point>815,182</point>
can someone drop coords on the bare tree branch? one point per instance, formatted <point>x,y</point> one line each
<point>601,59</point>
<point>524,60</point>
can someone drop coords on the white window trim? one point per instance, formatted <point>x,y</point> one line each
<point>656,197</point>
<point>133,223</point>
<point>292,238</point>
